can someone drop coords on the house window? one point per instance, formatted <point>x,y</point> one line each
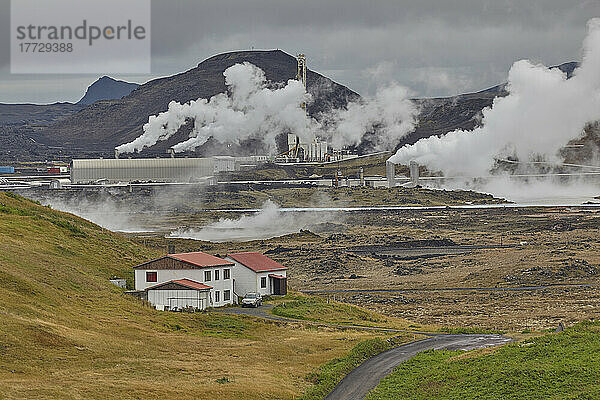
<point>207,276</point>
<point>217,296</point>
<point>226,273</point>
<point>263,282</point>
<point>216,274</point>
<point>226,295</point>
<point>151,276</point>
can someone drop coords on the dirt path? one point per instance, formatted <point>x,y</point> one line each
<point>363,379</point>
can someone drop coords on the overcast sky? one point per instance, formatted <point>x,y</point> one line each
<point>434,47</point>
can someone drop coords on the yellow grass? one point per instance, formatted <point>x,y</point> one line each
<point>68,333</point>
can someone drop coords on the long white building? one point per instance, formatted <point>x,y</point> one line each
<point>142,169</point>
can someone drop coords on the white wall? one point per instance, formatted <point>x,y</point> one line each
<point>178,298</point>
<point>246,280</point>
<point>165,275</point>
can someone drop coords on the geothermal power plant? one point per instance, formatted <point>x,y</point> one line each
<point>195,170</point>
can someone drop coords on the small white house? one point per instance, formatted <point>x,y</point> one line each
<point>178,294</point>
<point>195,279</point>
<point>255,272</point>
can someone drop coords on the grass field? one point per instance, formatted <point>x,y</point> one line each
<point>319,309</point>
<point>553,366</point>
<point>68,333</point>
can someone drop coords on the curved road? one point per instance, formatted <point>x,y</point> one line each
<point>363,379</point>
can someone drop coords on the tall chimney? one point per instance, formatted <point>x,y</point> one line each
<point>390,173</point>
<point>413,167</point>
<point>171,249</point>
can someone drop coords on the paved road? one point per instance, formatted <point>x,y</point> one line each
<point>363,379</point>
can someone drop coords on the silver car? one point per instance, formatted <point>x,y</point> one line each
<point>252,299</point>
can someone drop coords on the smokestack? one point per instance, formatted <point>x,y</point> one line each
<point>171,249</point>
<point>413,167</point>
<point>361,176</point>
<point>390,173</point>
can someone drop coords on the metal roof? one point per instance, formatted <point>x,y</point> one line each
<point>141,169</point>
<point>200,259</point>
<point>188,283</point>
<point>191,260</point>
<point>257,262</point>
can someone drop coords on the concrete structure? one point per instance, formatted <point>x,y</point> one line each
<point>255,272</point>
<point>122,283</point>
<point>142,169</point>
<point>59,183</point>
<point>213,272</point>
<point>224,164</point>
<point>413,167</point>
<point>390,173</point>
<point>179,294</point>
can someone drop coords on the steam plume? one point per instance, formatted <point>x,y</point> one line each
<point>254,110</point>
<point>269,222</point>
<point>251,110</point>
<point>390,113</point>
<point>542,112</point>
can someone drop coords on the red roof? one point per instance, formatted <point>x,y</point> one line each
<point>257,262</point>
<point>276,276</point>
<point>200,259</point>
<point>184,282</point>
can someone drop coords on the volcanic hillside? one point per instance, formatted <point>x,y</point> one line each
<point>106,124</point>
<point>439,116</point>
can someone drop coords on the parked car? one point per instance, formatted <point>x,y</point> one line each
<point>252,300</point>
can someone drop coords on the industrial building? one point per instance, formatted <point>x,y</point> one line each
<point>314,150</point>
<point>142,169</point>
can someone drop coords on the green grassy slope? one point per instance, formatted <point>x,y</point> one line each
<point>554,366</point>
<point>66,332</point>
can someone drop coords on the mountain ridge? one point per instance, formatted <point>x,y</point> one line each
<point>107,88</point>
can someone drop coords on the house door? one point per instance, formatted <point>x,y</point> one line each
<point>279,285</point>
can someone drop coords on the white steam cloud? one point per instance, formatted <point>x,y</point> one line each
<point>251,109</point>
<point>542,112</point>
<point>107,213</point>
<point>268,223</point>
<point>391,113</point>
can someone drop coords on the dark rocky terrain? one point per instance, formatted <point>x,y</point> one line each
<point>35,115</point>
<point>107,88</point>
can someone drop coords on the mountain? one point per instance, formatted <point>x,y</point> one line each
<point>107,88</point>
<point>108,123</point>
<point>35,115</point>
<point>439,116</point>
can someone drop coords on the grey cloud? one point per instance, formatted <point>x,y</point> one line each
<point>465,44</point>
